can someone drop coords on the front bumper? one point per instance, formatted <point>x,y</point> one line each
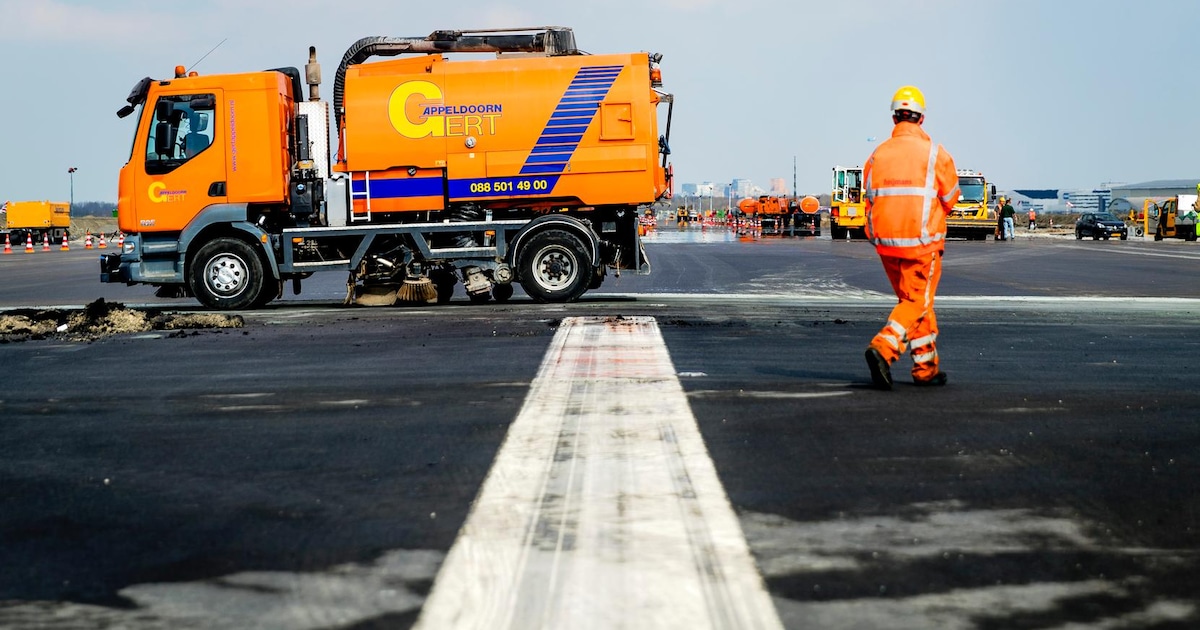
<point>144,262</point>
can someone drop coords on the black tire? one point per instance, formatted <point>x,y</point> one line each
<point>227,274</point>
<point>501,292</point>
<point>837,232</point>
<point>270,291</point>
<point>1078,235</point>
<point>1125,236</point>
<point>444,281</point>
<point>1095,237</point>
<point>554,267</point>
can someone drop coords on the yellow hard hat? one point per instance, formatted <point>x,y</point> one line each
<point>909,98</point>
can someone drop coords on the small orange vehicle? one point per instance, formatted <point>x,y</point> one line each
<point>781,216</point>
<point>528,167</point>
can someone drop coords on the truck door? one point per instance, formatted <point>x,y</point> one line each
<point>184,158</point>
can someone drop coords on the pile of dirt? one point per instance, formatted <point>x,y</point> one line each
<point>80,226</point>
<point>101,319</point>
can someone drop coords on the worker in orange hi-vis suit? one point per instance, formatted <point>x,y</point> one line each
<point>911,186</point>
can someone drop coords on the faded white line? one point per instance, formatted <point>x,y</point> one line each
<point>603,508</point>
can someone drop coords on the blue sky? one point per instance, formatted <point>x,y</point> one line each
<point>1034,93</point>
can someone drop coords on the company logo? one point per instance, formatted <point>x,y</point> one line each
<point>417,109</point>
<point>158,193</point>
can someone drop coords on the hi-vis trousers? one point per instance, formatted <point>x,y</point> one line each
<point>912,323</point>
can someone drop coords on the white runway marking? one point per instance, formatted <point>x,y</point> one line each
<point>603,508</point>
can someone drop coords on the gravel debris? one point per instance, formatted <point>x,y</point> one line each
<point>101,319</point>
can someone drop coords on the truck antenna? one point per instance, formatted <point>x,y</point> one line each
<point>193,66</point>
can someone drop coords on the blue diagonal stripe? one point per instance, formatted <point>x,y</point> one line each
<point>570,119</point>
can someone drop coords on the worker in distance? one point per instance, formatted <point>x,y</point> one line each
<point>911,185</point>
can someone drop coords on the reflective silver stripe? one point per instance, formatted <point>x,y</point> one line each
<point>909,242</point>
<point>916,343</point>
<point>892,341</point>
<point>902,192</point>
<point>951,196</point>
<point>895,325</point>
<point>926,357</point>
<point>927,199</point>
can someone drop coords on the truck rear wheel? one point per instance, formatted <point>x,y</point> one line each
<point>554,267</point>
<point>227,274</point>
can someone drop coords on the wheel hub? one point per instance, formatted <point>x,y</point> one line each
<point>556,269</point>
<point>226,274</point>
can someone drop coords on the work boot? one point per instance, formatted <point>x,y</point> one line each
<point>938,380</point>
<point>881,372</point>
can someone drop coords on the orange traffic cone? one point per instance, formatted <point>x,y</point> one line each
<point>7,244</point>
<point>28,243</point>
<point>102,244</point>
<point>121,241</point>
<point>87,241</point>
<point>46,242</point>
<point>65,247</point>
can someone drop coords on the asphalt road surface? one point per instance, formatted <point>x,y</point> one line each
<point>695,448</point>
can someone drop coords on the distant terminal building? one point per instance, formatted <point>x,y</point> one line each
<point>1095,200</point>
<point>1156,188</point>
<point>778,186</point>
<point>1041,200</point>
<point>689,190</point>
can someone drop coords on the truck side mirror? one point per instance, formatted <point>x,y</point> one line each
<point>163,144</point>
<point>163,110</point>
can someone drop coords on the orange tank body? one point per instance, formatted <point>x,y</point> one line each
<point>765,204</point>
<point>748,207</point>
<point>570,131</point>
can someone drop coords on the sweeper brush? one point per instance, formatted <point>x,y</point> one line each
<point>417,291</point>
<point>375,295</point>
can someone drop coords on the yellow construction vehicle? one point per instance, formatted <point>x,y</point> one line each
<point>36,220</point>
<point>971,218</point>
<point>1174,217</point>
<point>847,205</point>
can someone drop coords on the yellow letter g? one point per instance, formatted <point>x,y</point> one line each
<point>421,123</point>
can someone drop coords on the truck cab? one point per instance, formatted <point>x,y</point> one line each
<point>202,142</point>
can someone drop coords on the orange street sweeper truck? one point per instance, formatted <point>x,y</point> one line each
<point>527,165</point>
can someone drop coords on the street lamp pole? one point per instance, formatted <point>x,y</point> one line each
<point>71,174</point>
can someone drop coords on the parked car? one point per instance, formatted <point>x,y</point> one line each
<point>1100,225</point>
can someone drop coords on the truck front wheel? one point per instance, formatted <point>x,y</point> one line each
<point>227,274</point>
<point>554,267</point>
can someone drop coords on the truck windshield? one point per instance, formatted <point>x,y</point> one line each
<point>972,189</point>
